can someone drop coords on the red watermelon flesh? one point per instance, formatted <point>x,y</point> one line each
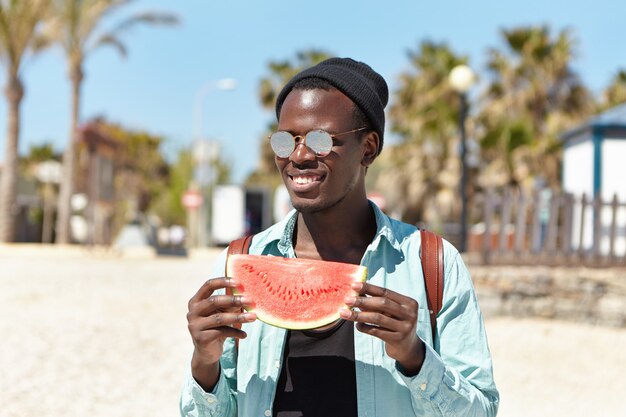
<point>294,293</point>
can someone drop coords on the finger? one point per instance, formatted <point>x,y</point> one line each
<point>379,304</point>
<point>207,336</point>
<point>379,332</point>
<point>210,286</point>
<point>372,318</point>
<point>365,288</point>
<point>220,303</point>
<point>220,320</point>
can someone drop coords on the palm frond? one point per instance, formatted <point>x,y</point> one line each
<point>111,40</point>
<point>40,42</point>
<point>20,22</point>
<point>113,37</point>
<point>150,18</point>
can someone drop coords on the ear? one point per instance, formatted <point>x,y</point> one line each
<point>370,145</point>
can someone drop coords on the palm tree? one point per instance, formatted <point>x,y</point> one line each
<point>280,72</point>
<point>75,25</point>
<point>19,26</point>
<point>419,176</point>
<point>534,95</point>
<point>615,93</point>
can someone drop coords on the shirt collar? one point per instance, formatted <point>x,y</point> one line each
<point>284,232</point>
<point>384,229</point>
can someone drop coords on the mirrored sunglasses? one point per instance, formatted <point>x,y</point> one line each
<point>319,141</point>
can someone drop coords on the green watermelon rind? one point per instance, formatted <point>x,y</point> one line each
<point>360,275</point>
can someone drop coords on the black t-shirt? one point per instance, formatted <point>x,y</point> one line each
<point>318,377</point>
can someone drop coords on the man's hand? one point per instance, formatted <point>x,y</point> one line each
<point>211,319</point>
<point>391,317</point>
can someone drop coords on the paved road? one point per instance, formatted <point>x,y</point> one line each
<point>103,336</point>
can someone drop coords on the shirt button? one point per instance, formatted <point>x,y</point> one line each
<point>210,400</point>
<point>423,387</point>
<point>267,413</point>
<point>277,364</point>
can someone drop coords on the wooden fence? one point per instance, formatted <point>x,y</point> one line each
<point>549,227</point>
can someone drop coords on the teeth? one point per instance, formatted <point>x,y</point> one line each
<point>305,180</point>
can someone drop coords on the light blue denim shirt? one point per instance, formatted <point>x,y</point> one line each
<point>456,378</point>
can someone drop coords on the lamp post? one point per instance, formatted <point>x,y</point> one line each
<point>205,152</point>
<point>461,79</point>
<point>224,84</point>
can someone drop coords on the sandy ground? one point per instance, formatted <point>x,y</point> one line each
<point>95,336</point>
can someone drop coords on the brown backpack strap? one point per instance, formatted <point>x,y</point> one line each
<point>238,247</point>
<point>432,265</point>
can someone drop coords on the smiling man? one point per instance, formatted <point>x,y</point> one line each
<point>380,358</point>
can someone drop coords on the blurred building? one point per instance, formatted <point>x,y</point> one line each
<point>93,199</point>
<point>27,207</point>
<point>28,201</point>
<point>93,221</point>
<point>593,158</point>
<point>593,165</point>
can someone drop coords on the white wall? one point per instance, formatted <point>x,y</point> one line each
<point>614,168</point>
<point>578,168</point>
<point>228,222</point>
<point>578,179</point>
<point>614,182</point>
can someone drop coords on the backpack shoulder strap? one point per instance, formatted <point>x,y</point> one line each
<point>432,265</point>
<point>240,246</point>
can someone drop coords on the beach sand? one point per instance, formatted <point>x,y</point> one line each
<point>102,336</point>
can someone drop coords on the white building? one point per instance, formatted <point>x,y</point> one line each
<point>594,164</point>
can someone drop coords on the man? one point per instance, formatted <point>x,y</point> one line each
<point>380,359</point>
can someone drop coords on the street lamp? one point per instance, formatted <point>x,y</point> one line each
<point>461,79</point>
<point>205,152</point>
<point>223,84</point>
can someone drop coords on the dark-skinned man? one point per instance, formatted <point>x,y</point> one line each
<point>380,358</point>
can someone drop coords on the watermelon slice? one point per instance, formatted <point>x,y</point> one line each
<point>294,293</point>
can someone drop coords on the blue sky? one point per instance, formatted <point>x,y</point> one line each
<point>154,87</point>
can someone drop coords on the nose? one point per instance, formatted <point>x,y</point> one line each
<point>302,154</point>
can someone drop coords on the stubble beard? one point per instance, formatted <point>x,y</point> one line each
<point>305,207</point>
<point>318,207</point>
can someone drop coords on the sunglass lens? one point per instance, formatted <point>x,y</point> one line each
<point>320,142</point>
<point>282,144</point>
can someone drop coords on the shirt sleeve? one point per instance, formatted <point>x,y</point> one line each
<point>195,402</point>
<point>456,378</point>
<point>221,402</point>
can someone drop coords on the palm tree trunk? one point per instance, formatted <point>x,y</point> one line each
<point>69,159</point>
<point>8,184</point>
